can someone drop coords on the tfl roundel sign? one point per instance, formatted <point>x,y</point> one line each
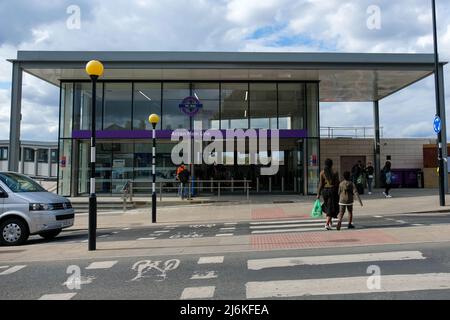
<point>191,106</point>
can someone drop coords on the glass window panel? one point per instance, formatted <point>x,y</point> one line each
<point>235,98</point>
<point>263,105</point>
<point>142,162</point>
<point>3,154</point>
<point>83,167</point>
<point>65,168</point>
<point>313,165</point>
<point>42,155</point>
<point>83,106</point>
<point>209,96</point>
<point>66,110</point>
<point>117,111</point>
<point>312,95</point>
<point>122,166</point>
<point>103,167</point>
<point>147,101</point>
<point>291,105</point>
<point>173,94</point>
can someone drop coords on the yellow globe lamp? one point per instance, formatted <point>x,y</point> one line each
<point>94,68</point>
<point>154,119</point>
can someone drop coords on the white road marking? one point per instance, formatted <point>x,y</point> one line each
<point>81,282</point>
<point>211,260</point>
<point>228,229</point>
<point>198,293</point>
<point>336,259</point>
<point>125,229</point>
<point>101,265</point>
<point>204,275</point>
<point>162,231</point>
<point>115,232</point>
<point>143,239</point>
<point>62,296</point>
<point>230,223</point>
<point>378,217</point>
<point>104,236</point>
<point>224,235</point>
<point>401,221</point>
<point>291,226</point>
<point>287,230</point>
<point>287,222</point>
<point>84,241</point>
<point>352,285</point>
<point>418,225</point>
<point>11,270</point>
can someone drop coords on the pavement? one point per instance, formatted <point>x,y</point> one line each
<point>260,207</point>
<point>268,248</point>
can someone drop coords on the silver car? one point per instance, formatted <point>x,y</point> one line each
<point>27,209</point>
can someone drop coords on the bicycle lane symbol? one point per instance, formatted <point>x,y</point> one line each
<point>150,269</point>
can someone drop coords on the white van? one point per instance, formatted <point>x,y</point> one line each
<point>27,209</point>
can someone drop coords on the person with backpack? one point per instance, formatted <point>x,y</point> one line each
<point>328,189</point>
<point>387,177</point>
<point>347,192</point>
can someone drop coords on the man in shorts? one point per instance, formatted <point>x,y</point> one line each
<point>347,192</point>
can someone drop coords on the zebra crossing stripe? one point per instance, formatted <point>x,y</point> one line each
<point>224,235</point>
<point>290,226</point>
<point>101,265</point>
<point>204,275</point>
<point>211,260</point>
<point>198,293</point>
<point>335,259</point>
<point>351,285</point>
<point>11,270</point>
<point>286,222</point>
<point>286,230</point>
<point>60,297</point>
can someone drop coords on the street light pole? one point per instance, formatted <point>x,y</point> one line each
<point>154,119</point>
<point>438,109</point>
<point>94,69</point>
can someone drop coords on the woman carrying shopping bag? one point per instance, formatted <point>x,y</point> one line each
<point>328,189</point>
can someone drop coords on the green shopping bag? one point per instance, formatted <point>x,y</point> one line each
<point>317,210</point>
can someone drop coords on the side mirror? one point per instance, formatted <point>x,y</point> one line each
<point>3,194</point>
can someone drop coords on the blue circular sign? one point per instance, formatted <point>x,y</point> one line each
<point>437,125</point>
<point>191,106</point>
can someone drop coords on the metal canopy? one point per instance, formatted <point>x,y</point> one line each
<point>344,77</point>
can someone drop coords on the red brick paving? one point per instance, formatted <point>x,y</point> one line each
<point>321,239</point>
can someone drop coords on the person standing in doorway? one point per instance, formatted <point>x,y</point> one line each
<point>370,176</point>
<point>328,189</point>
<point>386,174</point>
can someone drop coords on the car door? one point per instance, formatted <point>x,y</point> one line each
<point>2,200</point>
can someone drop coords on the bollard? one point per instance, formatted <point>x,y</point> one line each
<point>219,190</point>
<point>282,184</point>
<point>257,185</point>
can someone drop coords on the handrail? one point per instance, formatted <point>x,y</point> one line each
<point>129,187</point>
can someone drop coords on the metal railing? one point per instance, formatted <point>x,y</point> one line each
<point>130,189</point>
<point>349,132</point>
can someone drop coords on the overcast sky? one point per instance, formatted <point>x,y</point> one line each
<point>226,25</point>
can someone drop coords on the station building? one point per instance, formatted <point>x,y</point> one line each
<point>236,90</point>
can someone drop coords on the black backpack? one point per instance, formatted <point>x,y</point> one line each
<point>184,176</point>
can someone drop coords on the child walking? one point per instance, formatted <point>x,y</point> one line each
<point>347,192</point>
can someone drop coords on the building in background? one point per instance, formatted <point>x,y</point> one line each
<point>237,90</point>
<point>36,159</point>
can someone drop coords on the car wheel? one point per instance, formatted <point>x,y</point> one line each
<point>50,235</point>
<point>14,232</point>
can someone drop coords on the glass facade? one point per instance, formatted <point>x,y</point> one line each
<point>126,106</point>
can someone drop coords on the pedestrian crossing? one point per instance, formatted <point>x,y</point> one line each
<point>294,226</point>
<point>349,285</point>
<point>294,276</point>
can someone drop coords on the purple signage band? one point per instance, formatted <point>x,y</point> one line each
<point>167,134</point>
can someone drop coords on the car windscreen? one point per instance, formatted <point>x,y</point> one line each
<point>20,184</point>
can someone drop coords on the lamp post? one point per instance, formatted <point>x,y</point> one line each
<point>94,69</point>
<point>154,120</point>
<point>438,109</point>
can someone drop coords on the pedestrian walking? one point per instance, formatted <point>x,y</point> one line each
<point>328,189</point>
<point>387,177</point>
<point>370,176</point>
<point>177,176</point>
<point>184,177</point>
<point>347,193</point>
